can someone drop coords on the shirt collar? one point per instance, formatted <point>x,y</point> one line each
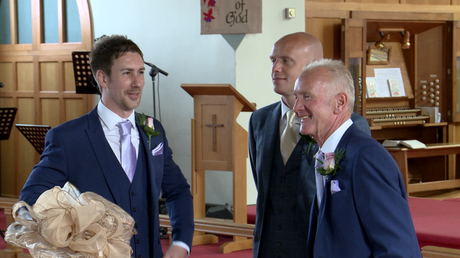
<point>110,119</point>
<point>331,143</point>
<point>284,109</point>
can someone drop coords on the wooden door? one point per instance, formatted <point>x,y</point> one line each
<point>37,38</point>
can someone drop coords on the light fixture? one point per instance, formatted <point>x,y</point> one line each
<point>405,44</point>
<point>385,34</point>
<point>381,43</point>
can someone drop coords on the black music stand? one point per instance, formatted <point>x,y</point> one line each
<point>35,134</point>
<point>7,115</point>
<point>84,80</point>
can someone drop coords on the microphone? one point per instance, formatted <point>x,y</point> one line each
<point>154,67</point>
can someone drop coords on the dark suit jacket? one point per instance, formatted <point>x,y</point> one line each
<point>370,216</point>
<point>77,151</point>
<point>263,131</point>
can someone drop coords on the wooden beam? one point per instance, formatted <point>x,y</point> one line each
<point>216,226</point>
<point>432,186</point>
<point>314,9</point>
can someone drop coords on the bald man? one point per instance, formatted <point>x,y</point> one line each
<point>284,177</point>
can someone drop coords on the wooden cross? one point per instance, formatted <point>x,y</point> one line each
<point>214,127</point>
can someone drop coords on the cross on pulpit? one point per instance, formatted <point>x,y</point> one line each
<point>214,127</point>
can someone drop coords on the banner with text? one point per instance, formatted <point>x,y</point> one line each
<point>231,16</point>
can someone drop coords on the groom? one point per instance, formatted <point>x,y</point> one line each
<point>89,152</point>
<point>360,208</point>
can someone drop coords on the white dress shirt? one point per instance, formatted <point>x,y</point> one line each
<point>109,121</point>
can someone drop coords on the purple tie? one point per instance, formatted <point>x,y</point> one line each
<point>319,177</point>
<point>128,153</point>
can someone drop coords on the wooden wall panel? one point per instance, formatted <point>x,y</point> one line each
<point>375,1</point>
<point>25,73</point>
<point>328,32</point>
<point>69,78</point>
<point>49,76</point>
<point>40,81</point>
<point>50,112</point>
<point>26,155</point>
<point>328,1</point>
<point>429,2</point>
<point>6,73</point>
<point>74,108</point>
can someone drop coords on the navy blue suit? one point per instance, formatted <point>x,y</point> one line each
<point>285,191</point>
<point>370,216</point>
<point>77,151</point>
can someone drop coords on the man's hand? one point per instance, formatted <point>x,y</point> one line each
<point>175,252</point>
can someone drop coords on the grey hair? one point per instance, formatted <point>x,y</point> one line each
<point>339,76</point>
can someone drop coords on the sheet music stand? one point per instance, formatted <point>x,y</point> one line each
<point>7,115</point>
<point>84,80</point>
<point>35,134</point>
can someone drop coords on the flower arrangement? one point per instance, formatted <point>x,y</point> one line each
<point>330,163</point>
<point>146,123</point>
<point>68,224</point>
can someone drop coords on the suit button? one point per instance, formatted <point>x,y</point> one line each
<point>283,178</point>
<point>132,193</point>
<point>136,225</point>
<point>279,243</point>
<point>281,195</point>
<point>278,227</point>
<point>134,209</point>
<point>139,256</point>
<point>138,241</point>
<point>280,211</point>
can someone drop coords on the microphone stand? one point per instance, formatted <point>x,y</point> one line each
<point>153,73</point>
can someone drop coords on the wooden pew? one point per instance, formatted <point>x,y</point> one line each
<point>439,252</point>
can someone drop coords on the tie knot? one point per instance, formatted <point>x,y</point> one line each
<point>319,157</point>
<point>290,115</point>
<point>125,127</point>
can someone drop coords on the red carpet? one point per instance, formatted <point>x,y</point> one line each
<point>436,222</point>
<point>212,250</point>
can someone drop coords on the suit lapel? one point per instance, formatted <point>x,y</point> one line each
<point>343,146</point>
<point>154,142</point>
<point>101,147</point>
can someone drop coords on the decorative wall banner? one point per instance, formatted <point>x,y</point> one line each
<point>231,16</point>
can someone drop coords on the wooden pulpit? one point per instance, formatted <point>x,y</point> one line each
<point>219,143</point>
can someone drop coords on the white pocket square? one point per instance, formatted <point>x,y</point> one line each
<point>158,150</point>
<point>335,186</point>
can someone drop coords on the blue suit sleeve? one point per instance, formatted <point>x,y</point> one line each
<point>49,172</point>
<point>382,205</point>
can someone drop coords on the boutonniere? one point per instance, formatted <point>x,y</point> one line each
<point>330,162</point>
<point>310,140</point>
<point>146,123</point>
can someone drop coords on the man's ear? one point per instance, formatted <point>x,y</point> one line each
<point>341,102</point>
<point>102,78</point>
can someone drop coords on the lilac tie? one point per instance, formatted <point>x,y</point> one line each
<point>128,152</point>
<point>319,177</point>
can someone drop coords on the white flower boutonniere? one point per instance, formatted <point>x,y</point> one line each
<point>330,163</point>
<point>146,123</point>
